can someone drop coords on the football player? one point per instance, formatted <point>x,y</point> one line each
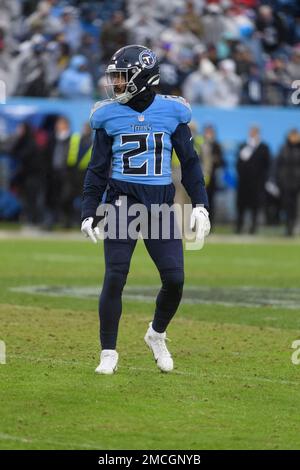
<point>135,132</point>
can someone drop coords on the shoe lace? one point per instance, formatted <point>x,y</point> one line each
<point>106,357</point>
<point>162,347</point>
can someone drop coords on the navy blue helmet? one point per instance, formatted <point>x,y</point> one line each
<point>131,70</point>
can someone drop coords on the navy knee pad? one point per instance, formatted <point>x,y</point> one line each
<point>173,280</point>
<point>115,280</point>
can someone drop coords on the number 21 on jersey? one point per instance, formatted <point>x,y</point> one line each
<point>142,141</point>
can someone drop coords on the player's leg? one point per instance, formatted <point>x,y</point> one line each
<point>117,260</point>
<point>168,258</point>
<point>117,253</point>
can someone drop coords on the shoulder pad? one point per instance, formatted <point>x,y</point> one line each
<point>99,112</point>
<point>182,107</point>
<point>179,99</point>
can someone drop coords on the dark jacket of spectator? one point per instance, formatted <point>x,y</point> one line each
<point>288,166</point>
<point>113,36</point>
<point>30,177</point>
<point>25,152</point>
<point>288,179</point>
<point>252,173</point>
<point>253,168</point>
<point>272,28</point>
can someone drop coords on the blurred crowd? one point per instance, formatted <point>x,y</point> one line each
<point>267,188</point>
<point>214,52</point>
<point>42,173</point>
<point>47,168</point>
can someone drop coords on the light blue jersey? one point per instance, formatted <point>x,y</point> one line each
<point>142,147</point>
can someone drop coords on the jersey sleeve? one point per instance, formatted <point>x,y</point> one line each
<point>97,174</point>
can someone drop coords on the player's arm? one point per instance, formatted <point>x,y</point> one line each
<point>95,182</point>
<point>192,178</point>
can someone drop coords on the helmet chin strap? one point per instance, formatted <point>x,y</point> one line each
<point>123,98</point>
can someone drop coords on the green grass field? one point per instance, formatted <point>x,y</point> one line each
<point>234,385</point>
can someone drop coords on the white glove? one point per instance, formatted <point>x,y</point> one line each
<point>89,231</point>
<point>200,222</point>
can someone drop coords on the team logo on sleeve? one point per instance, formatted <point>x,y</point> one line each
<point>147,59</point>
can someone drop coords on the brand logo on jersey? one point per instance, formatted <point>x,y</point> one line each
<point>147,59</point>
<point>141,127</point>
<point>141,118</point>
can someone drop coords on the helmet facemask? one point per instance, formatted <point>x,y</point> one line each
<point>120,83</point>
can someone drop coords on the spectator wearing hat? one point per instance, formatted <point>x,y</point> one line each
<point>200,87</point>
<point>228,85</point>
<point>278,81</point>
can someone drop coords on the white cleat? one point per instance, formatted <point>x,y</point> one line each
<point>157,344</point>
<point>108,362</point>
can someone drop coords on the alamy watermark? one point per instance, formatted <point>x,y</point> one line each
<point>2,352</point>
<point>295,96</point>
<point>123,220</point>
<point>295,358</point>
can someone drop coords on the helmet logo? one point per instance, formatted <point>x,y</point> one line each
<point>147,59</point>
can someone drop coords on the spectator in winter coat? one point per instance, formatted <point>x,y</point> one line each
<point>31,173</point>
<point>288,178</point>
<point>278,81</point>
<point>228,85</point>
<point>212,159</point>
<point>253,165</point>
<point>272,28</point>
<point>200,86</point>
<point>75,81</point>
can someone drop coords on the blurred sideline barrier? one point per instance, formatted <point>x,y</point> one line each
<point>231,123</point>
<point>231,126</point>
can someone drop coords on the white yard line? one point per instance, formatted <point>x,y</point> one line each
<point>246,296</point>
<point>32,440</point>
<point>31,233</point>
<point>8,437</point>
<point>40,234</point>
<point>154,370</point>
